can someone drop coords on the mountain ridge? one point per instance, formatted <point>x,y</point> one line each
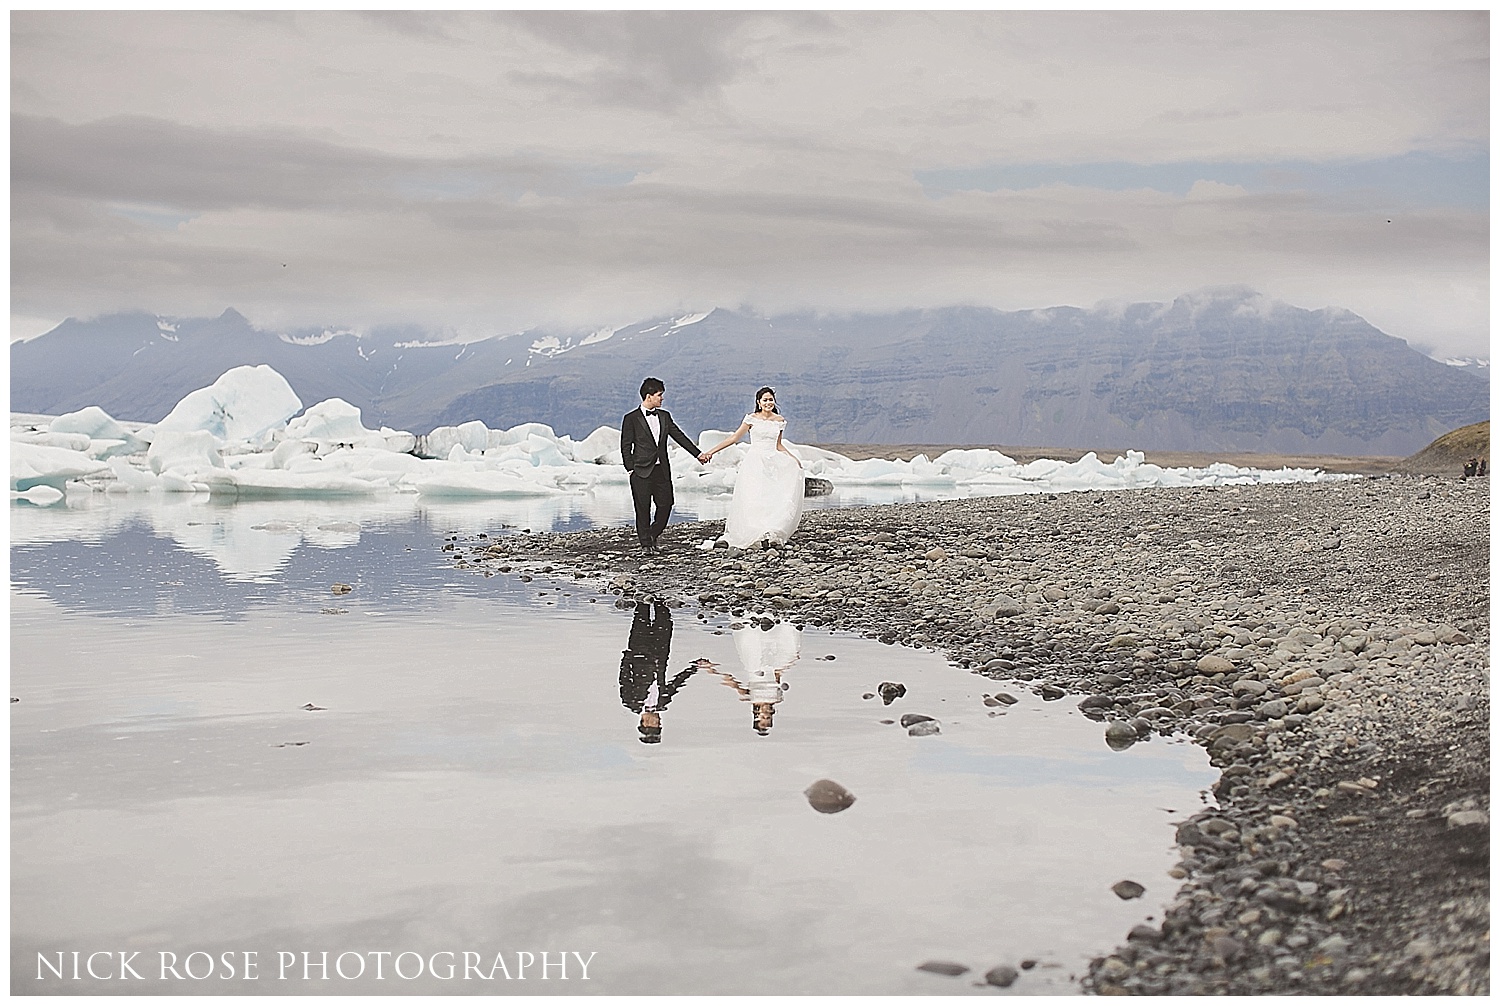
<point>1216,369</point>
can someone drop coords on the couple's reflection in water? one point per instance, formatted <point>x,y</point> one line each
<point>765,651</point>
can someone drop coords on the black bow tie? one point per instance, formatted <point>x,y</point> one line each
<point>649,412</point>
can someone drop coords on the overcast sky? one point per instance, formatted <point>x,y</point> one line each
<point>486,173</point>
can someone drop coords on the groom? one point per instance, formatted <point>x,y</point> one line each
<point>643,447</point>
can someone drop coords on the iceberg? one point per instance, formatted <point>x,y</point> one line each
<point>601,447</point>
<point>473,437</point>
<point>331,421</point>
<point>101,428</point>
<point>243,404</point>
<point>39,495</point>
<point>261,483</point>
<point>34,465</point>
<point>482,483</point>
<point>187,451</point>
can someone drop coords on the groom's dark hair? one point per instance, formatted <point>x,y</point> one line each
<point>651,386</point>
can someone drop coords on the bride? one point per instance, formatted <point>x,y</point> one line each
<point>767,504</point>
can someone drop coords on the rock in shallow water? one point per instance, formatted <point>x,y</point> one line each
<point>950,968</point>
<point>1003,976</point>
<point>1128,889</point>
<point>828,797</point>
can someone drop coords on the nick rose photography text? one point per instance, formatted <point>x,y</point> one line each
<point>312,965</point>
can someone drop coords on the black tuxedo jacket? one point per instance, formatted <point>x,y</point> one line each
<point>640,452</point>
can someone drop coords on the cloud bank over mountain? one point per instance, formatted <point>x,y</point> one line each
<point>493,172</point>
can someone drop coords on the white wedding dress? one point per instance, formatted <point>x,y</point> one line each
<point>768,490</point>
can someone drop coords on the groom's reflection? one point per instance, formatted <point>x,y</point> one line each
<point>644,687</point>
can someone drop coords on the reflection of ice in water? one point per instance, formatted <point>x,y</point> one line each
<point>764,654</point>
<point>253,540</point>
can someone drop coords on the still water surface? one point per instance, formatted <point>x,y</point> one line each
<point>474,779</point>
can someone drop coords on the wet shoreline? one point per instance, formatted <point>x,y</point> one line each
<point>1328,644</point>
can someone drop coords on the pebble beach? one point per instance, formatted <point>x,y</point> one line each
<point>1327,643</point>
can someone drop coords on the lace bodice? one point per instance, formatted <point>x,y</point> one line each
<point>763,432</point>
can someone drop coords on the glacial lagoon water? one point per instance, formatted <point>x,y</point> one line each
<point>472,781</point>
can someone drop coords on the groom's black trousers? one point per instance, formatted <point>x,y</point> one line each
<point>655,488</point>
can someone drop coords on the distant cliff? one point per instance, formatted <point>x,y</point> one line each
<point>1215,370</point>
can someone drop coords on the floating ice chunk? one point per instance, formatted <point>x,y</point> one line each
<point>284,452</point>
<point>99,426</point>
<point>508,452</point>
<point>487,483</point>
<point>129,478</point>
<point>398,440</point>
<point>39,495</point>
<point>385,463</point>
<point>243,404</point>
<point>458,455</point>
<point>106,449</point>
<point>172,482</point>
<point>273,482</point>
<point>580,476</point>
<point>332,421</point>
<point>184,451</point>
<point>375,465</point>
<point>520,434</point>
<point>874,467</point>
<point>80,442</point>
<point>601,447</point>
<point>472,437</point>
<point>38,465</point>
<point>974,458</point>
<point>925,472</point>
<point>544,452</point>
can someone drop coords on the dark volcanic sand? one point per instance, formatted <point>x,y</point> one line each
<point>1328,643</point>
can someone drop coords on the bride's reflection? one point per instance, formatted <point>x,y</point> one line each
<point>765,651</point>
<point>644,687</point>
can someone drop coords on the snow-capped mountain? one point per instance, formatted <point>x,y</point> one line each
<point>1223,369</point>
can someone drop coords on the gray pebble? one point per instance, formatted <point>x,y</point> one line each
<point>1004,976</point>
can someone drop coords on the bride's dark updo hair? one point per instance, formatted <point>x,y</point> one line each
<point>761,392</point>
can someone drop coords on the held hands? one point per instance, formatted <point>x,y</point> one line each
<point>704,457</point>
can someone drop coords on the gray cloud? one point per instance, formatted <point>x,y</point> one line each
<point>650,59</point>
<point>153,161</point>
